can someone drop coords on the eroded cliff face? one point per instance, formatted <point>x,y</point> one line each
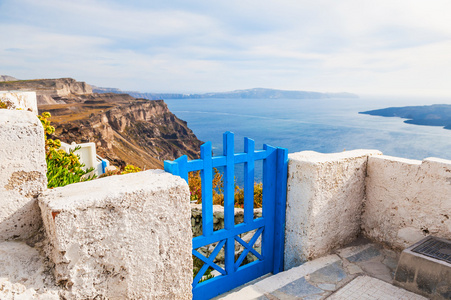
<point>126,130</point>
<point>48,91</point>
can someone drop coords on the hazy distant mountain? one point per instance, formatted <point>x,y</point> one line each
<point>261,93</point>
<point>7,78</point>
<point>432,115</point>
<point>97,89</point>
<point>257,93</point>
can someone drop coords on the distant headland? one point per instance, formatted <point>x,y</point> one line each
<point>256,93</point>
<point>430,115</point>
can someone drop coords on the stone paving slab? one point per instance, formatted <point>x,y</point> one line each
<point>369,288</point>
<point>363,271</point>
<point>264,288</point>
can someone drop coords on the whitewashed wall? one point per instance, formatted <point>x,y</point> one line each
<point>334,197</point>
<point>407,200</point>
<point>22,173</point>
<point>121,237</point>
<point>324,202</point>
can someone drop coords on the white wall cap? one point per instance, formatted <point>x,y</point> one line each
<point>398,159</point>
<point>316,157</point>
<point>89,193</point>
<point>438,160</point>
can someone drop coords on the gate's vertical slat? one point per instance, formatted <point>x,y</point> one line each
<point>229,199</point>
<point>268,200</point>
<point>249,147</point>
<point>207,189</point>
<point>280,207</point>
<point>183,167</point>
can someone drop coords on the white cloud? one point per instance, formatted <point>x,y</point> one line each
<point>325,45</point>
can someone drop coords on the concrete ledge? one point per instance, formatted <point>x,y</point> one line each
<point>121,237</point>
<point>324,202</point>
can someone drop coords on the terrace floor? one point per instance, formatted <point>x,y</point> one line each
<point>362,270</point>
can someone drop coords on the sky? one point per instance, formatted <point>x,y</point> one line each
<point>400,47</point>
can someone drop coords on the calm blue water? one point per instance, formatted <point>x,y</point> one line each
<point>325,125</point>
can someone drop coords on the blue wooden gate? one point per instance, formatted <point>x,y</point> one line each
<point>270,226</point>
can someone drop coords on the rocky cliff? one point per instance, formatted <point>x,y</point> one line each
<point>138,132</point>
<point>48,91</point>
<point>126,130</point>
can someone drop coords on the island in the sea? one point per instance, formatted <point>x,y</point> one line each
<point>430,115</point>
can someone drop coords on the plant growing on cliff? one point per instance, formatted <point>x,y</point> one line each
<point>62,168</point>
<point>194,182</point>
<point>195,187</point>
<point>130,169</point>
<point>258,195</point>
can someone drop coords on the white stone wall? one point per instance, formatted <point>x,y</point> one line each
<point>324,202</point>
<point>121,237</point>
<point>407,200</point>
<point>22,173</point>
<point>333,197</point>
<point>20,100</point>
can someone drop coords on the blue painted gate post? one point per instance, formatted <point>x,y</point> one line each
<point>280,209</point>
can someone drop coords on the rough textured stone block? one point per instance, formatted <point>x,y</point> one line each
<point>407,200</point>
<point>121,237</point>
<point>324,202</point>
<point>22,173</point>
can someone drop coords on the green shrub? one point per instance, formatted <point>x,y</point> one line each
<point>62,168</point>
<point>130,169</point>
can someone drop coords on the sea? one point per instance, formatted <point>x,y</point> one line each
<point>322,125</point>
